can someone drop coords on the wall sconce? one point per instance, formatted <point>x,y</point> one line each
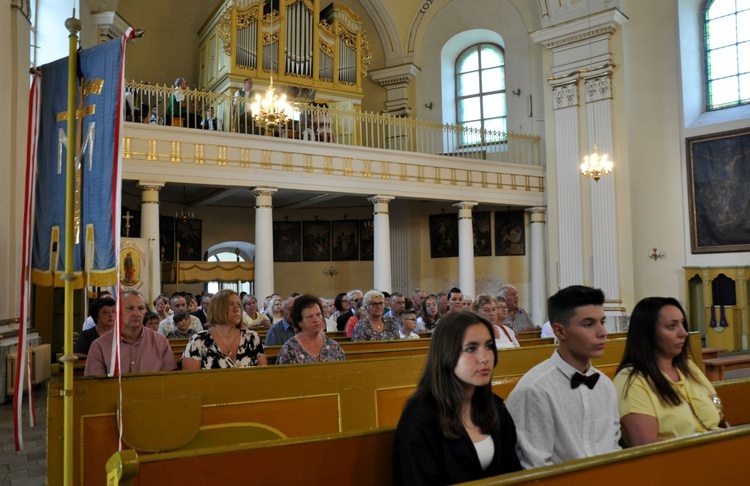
<point>330,272</point>
<point>428,105</point>
<point>517,92</point>
<point>655,254</point>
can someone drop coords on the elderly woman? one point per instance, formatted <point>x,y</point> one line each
<point>662,394</point>
<point>102,311</point>
<point>310,344</point>
<point>252,317</point>
<point>486,306</point>
<point>374,326</point>
<point>454,428</point>
<point>275,312</point>
<point>225,344</point>
<point>428,314</point>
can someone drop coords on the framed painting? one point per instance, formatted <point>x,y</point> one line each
<point>482,234</point>
<point>287,241</point>
<point>718,168</point>
<point>166,239</point>
<point>443,235</point>
<point>189,234</point>
<point>510,234</point>
<point>366,240</point>
<point>344,240</point>
<point>316,241</point>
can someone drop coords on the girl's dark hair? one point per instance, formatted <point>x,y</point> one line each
<point>301,303</point>
<point>642,350</point>
<point>180,315</point>
<point>440,384</point>
<point>428,322</point>
<point>337,301</point>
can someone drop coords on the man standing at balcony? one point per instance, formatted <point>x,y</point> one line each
<point>242,107</point>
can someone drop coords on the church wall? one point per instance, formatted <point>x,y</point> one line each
<point>654,147</point>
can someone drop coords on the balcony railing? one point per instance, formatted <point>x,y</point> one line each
<point>147,103</point>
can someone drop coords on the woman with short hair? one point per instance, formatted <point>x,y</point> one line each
<point>225,344</point>
<point>251,316</point>
<point>309,344</point>
<point>454,428</point>
<point>662,394</point>
<point>486,306</point>
<point>374,326</point>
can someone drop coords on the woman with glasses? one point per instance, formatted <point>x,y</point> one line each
<point>161,306</point>
<point>487,307</point>
<point>251,317</point>
<point>374,326</point>
<point>429,314</point>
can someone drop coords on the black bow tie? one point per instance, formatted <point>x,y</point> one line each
<point>579,379</point>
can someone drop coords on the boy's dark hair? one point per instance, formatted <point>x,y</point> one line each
<point>149,316</point>
<point>562,306</point>
<point>180,315</point>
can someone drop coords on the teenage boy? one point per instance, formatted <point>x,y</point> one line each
<point>564,408</point>
<point>408,324</point>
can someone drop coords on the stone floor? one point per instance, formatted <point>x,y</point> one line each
<point>27,467</point>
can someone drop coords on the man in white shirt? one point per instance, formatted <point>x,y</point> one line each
<point>177,302</point>
<point>564,408</point>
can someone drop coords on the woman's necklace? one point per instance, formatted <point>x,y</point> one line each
<point>223,343</point>
<point>378,327</point>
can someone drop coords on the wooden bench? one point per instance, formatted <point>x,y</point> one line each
<point>298,400</point>
<point>711,353</point>
<point>362,458</point>
<point>717,367</point>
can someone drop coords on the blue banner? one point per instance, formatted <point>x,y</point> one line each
<point>98,118</point>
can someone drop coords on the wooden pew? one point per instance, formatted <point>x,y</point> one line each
<point>298,400</point>
<point>735,397</point>
<point>717,367</point>
<point>710,458</point>
<point>362,458</point>
<point>710,353</point>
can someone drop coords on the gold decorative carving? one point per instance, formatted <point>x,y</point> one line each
<point>224,29</point>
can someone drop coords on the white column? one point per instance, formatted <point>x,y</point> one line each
<point>264,284</point>
<point>150,231</point>
<point>399,246</point>
<point>381,242</point>
<point>606,269</point>
<point>538,265</point>
<point>466,248</point>
<point>570,224</point>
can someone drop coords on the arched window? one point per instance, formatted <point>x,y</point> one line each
<point>480,93</point>
<point>727,51</point>
<point>231,251</point>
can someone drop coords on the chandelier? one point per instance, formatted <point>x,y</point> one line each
<point>271,110</point>
<point>185,214</point>
<point>595,166</point>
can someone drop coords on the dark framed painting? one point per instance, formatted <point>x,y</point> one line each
<point>366,240</point>
<point>287,245</point>
<point>166,238</point>
<point>443,235</point>
<point>189,234</point>
<point>344,240</point>
<point>718,167</point>
<point>510,233</point>
<point>482,234</point>
<point>316,241</point>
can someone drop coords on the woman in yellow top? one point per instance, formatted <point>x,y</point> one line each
<point>662,394</point>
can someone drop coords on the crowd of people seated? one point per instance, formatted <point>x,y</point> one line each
<point>454,428</point>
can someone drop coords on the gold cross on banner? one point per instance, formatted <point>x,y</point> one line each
<point>127,219</point>
<point>93,86</point>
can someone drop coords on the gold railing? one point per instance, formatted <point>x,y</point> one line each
<point>156,105</point>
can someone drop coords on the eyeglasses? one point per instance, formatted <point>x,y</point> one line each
<point>378,304</point>
<point>160,304</point>
<point>502,307</point>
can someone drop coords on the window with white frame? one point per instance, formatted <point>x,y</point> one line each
<point>727,51</point>
<point>215,286</point>
<point>480,94</point>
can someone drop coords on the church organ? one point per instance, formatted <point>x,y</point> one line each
<point>306,48</point>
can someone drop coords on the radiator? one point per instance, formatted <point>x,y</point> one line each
<point>40,367</point>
